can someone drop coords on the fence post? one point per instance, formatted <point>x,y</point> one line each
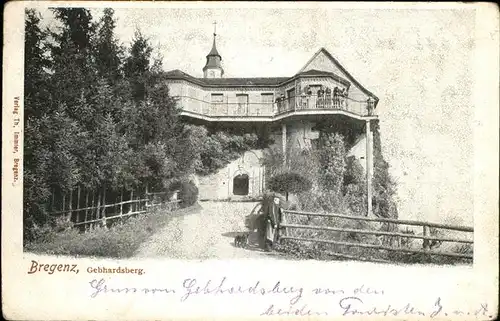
<point>77,204</point>
<point>91,212</point>
<point>130,210</point>
<point>70,214</point>
<point>97,209</point>
<point>282,220</point>
<point>86,205</point>
<point>63,204</point>
<point>121,202</point>
<point>117,205</point>
<point>103,215</point>
<point>425,242</point>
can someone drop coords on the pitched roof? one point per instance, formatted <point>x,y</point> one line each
<point>349,76</point>
<point>255,81</point>
<point>259,81</point>
<point>271,81</point>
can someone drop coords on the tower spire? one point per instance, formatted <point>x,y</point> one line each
<point>213,67</point>
<point>214,51</point>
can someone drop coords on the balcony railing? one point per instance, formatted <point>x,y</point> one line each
<point>281,106</point>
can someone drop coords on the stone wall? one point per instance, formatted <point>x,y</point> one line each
<point>219,186</point>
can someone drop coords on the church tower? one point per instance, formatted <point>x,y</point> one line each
<point>213,67</point>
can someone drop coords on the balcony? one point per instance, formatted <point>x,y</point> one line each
<point>305,104</point>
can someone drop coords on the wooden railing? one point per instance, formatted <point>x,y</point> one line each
<point>85,208</point>
<point>325,102</point>
<point>428,243</point>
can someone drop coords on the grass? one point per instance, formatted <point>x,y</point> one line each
<point>121,240</point>
<point>308,250</point>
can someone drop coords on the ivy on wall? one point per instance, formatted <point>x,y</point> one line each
<point>338,181</point>
<point>384,186</point>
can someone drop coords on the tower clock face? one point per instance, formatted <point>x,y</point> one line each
<point>211,73</point>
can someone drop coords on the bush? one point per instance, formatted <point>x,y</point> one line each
<point>188,194</point>
<point>289,182</point>
<point>122,240</point>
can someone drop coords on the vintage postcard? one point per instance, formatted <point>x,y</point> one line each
<point>248,160</point>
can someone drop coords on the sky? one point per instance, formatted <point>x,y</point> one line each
<point>418,62</point>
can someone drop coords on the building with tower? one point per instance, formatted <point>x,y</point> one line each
<point>287,109</point>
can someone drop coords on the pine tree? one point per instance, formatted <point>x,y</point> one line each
<point>109,53</point>
<point>74,72</point>
<point>35,66</point>
<point>36,165</point>
<point>137,65</point>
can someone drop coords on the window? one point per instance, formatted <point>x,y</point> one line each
<point>217,98</point>
<point>267,98</point>
<point>291,98</point>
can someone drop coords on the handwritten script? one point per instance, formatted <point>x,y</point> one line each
<point>355,301</point>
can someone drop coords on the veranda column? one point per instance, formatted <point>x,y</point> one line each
<point>369,167</point>
<point>283,140</point>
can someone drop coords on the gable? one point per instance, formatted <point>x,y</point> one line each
<point>324,61</point>
<point>321,62</point>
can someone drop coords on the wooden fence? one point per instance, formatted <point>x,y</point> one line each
<point>88,208</point>
<point>392,238</point>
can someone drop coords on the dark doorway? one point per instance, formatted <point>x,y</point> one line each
<point>240,185</point>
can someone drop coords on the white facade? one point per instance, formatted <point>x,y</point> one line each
<point>289,107</point>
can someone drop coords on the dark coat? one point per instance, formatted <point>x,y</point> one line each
<point>273,218</point>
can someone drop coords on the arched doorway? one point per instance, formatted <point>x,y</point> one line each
<point>240,184</point>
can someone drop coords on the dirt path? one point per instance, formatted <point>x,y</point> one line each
<point>207,234</point>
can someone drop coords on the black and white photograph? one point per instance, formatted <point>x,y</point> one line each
<point>275,134</point>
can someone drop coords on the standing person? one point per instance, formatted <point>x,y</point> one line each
<point>328,98</point>
<point>369,106</point>
<point>336,92</point>
<point>273,220</point>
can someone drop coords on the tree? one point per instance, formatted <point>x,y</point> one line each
<point>332,162</point>
<point>86,129</point>
<point>137,65</point>
<point>35,66</point>
<point>36,164</point>
<point>273,160</point>
<point>220,148</point>
<point>289,182</point>
<point>109,53</point>
<point>384,186</point>
<point>73,67</point>
<point>354,188</point>
<point>188,194</point>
